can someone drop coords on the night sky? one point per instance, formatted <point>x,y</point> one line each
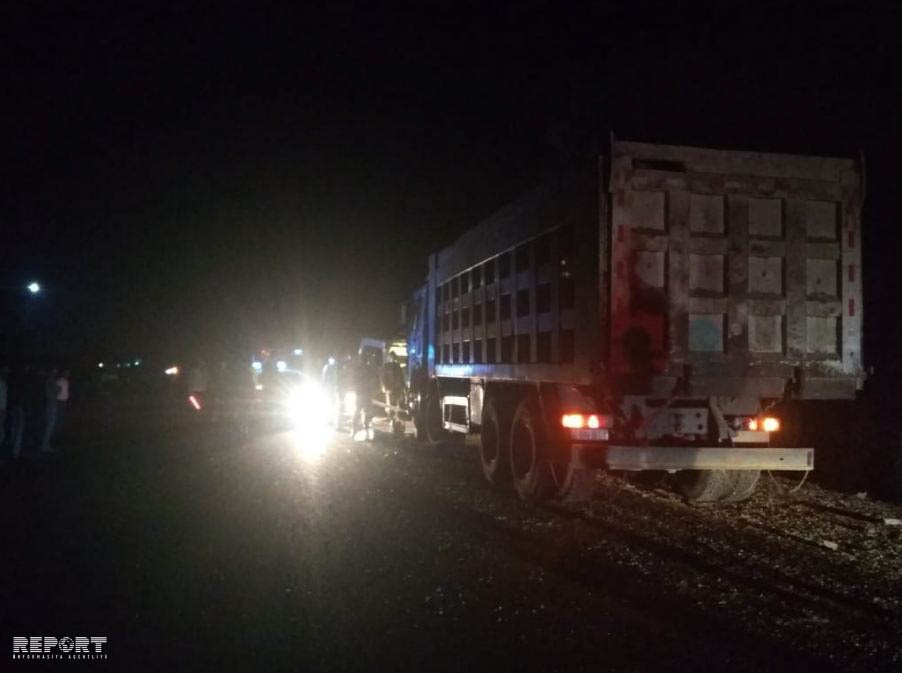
<point>194,178</point>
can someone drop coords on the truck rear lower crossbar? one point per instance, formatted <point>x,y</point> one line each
<point>634,458</point>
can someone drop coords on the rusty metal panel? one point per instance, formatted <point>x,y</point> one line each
<point>706,332</point>
<point>648,266</point>
<point>796,267</point>
<point>706,273</point>
<point>765,275</point>
<point>766,333</point>
<point>646,210</point>
<point>737,273</point>
<point>822,335</point>
<point>765,218</point>
<point>678,301</point>
<point>736,269</point>
<point>706,214</point>
<point>822,277</point>
<point>821,222</point>
<point>851,273</point>
<point>762,267</point>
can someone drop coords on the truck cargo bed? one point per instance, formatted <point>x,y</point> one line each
<point>669,270</point>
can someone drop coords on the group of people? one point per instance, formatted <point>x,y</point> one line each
<point>378,387</point>
<point>33,401</point>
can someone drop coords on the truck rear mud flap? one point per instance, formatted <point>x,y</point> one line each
<point>635,458</point>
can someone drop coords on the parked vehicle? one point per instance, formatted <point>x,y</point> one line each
<point>649,315</point>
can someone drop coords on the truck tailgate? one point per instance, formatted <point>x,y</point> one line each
<point>736,271</point>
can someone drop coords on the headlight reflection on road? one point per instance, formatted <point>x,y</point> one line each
<point>310,410</point>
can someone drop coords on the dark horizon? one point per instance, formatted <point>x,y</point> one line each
<point>181,178</point>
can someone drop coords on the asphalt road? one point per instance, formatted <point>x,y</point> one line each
<point>191,549</point>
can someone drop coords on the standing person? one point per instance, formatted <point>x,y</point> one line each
<point>16,411</point>
<point>62,397</point>
<point>48,410</point>
<point>330,385</point>
<point>367,388</point>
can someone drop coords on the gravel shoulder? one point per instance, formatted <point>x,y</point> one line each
<point>193,550</point>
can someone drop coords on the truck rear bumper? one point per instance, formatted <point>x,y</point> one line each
<point>635,458</point>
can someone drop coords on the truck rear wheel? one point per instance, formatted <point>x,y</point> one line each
<point>717,485</point>
<point>428,420</point>
<point>703,485</point>
<point>494,443</point>
<point>530,470</point>
<point>573,484</point>
<point>744,483</point>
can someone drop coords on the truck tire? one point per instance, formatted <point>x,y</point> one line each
<point>494,443</point>
<point>743,485</point>
<point>428,420</point>
<point>704,485</point>
<point>574,485</point>
<point>530,470</point>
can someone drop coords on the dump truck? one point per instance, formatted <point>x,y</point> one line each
<point>650,314</point>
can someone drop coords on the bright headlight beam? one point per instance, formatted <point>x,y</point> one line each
<point>310,409</point>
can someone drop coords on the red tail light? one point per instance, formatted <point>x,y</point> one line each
<point>195,402</point>
<point>767,424</point>
<point>572,421</point>
<point>577,421</point>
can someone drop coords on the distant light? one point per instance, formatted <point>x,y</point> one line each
<point>100,365</point>
<point>298,351</point>
<point>281,365</point>
<point>128,364</point>
<point>138,362</point>
<point>172,371</point>
<point>118,365</point>
<point>194,402</point>
<point>331,360</point>
<point>259,386</point>
<point>257,366</point>
<point>34,287</point>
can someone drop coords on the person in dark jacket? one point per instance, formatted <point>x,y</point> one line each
<point>48,409</point>
<point>15,411</point>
